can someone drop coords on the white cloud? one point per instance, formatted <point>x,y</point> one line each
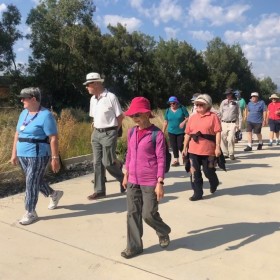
<point>165,11</point>
<point>217,15</point>
<point>3,7</point>
<point>171,33</point>
<point>131,24</point>
<point>202,35</point>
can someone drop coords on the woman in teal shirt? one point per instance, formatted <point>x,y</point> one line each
<point>175,120</point>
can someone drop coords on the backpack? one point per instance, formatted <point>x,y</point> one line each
<point>167,153</point>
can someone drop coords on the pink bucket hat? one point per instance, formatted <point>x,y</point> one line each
<point>139,105</point>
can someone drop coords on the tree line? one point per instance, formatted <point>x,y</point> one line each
<point>67,44</point>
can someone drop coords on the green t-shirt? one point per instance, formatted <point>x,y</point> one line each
<point>175,118</point>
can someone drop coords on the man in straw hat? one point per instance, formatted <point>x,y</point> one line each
<point>273,119</point>
<point>107,114</point>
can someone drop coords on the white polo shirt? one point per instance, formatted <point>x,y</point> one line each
<point>105,110</point>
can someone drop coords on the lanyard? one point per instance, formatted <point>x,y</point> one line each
<point>25,123</point>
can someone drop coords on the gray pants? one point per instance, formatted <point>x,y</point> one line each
<point>142,203</point>
<point>104,149</point>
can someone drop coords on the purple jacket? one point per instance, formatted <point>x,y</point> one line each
<point>145,161</point>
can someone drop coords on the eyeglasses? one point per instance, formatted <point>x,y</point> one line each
<point>138,115</point>
<point>199,104</point>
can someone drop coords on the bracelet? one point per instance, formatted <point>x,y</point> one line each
<point>161,182</point>
<point>55,157</point>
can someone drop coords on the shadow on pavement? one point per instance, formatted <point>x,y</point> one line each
<point>212,237</point>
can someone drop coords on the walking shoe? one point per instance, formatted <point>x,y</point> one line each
<point>213,189</point>
<point>232,157</point>
<point>28,218</point>
<point>259,147</point>
<point>248,148</point>
<point>164,241</point>
<point>96,196</point>
<point>175,163</point>
<point>277,142</point>
<point>55,197</point>
<point>128,254</point>
<point>269,144</point>
<point>195,198</point>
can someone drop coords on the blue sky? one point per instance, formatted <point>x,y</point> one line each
<point>254,24</point>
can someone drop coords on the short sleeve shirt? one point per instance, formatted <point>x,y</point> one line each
<point>208,123</point>
<point>40,127</point>
<point>256,111</point>
<point>175,118</point>
<point>105,110</point>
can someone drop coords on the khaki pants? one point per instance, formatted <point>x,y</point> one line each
<point>228,136</point>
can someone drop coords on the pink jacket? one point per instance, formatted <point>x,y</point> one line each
<point>145,161</point>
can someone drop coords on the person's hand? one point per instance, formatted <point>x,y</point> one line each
<point>159,191</point>
<point>55,164</point>
<point>218,151</point>
<point>182,124</point>
<point>124,182</point>
<point>14,160</point>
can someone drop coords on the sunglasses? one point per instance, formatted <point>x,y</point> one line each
<point>89,84</point>
<point>199,104</point>
<point>138,115</point>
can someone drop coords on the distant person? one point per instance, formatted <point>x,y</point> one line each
<point>175,120</point>
<point>202,144</point>
<point>35,144</point>
<point>241,101</point>
<point>273,119</point>
<point>193,109</point>
<point>108,116</point>
<point>255,115</point>
<point>231,121</point>
<point>144,178</point>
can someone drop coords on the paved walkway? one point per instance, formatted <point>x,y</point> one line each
<point>233,234</point>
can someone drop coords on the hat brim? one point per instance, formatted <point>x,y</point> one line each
<point>25,95</point>
<point>254,95</point>
<point>93,81</point>
<point>274,97</point>
<point>168,102</point>
<point>129,112</point>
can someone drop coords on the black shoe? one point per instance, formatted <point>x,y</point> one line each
<point>127,254</point>
<point>226,156</point>
<point>213,189</point>
<point>248,148</point>
<point>164,241</point>
<point>259,147</point>
<point>195,198</point>
<point>232,157</point>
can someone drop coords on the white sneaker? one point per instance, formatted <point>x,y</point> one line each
<point>28,218</point>
<point>55,197</point>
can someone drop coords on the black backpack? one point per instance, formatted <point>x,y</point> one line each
<point>167,153</point>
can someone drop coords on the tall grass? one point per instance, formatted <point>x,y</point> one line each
<point>74,127</point>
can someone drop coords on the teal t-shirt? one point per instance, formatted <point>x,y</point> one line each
<point>41,126</point>
<point>175,118</point>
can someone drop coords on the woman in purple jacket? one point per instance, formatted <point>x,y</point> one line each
<point>143,179</point>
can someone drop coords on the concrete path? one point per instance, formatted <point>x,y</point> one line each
<point>233,234</point>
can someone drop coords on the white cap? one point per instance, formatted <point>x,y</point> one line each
<point>254,94</point>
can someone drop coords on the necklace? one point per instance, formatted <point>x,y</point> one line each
<point>25,123</point>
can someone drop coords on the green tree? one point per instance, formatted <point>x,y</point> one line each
<point>179,71</point>
<point>267,87</point>
<point>65,41</point>
<point>9,35</point>
<point>228,67</point>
